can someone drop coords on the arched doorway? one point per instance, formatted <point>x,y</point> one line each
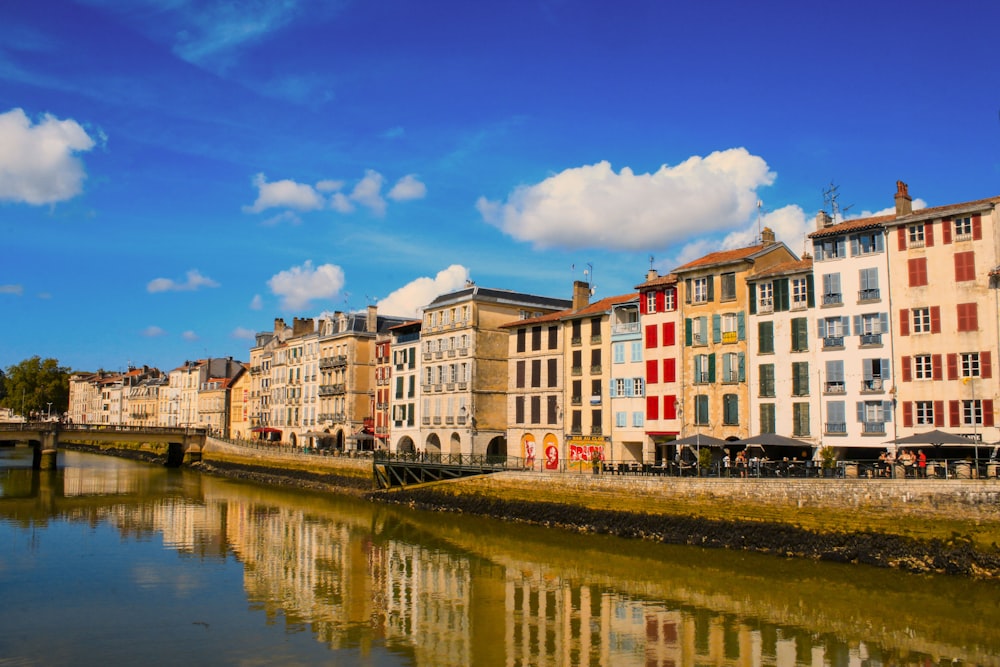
<point>455,444</point>
<point>405,445</point>
<point>497,448</point>
<point>433,444</point>
<point>338,441</point>
<point>293,439</point>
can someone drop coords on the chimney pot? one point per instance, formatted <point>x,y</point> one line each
<point>904,203</point>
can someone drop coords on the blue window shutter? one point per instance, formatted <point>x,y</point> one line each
<point>741,325</point>
<point>716,328</point>
<point>743,367</point>
<point>858,329</point>
<point>887,410</point>
<point>861,412</point>
<point>883,323</point>
<point>821,328</point>
<point>885,369</point>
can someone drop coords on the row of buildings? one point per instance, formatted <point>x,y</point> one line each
<point>885,329</point>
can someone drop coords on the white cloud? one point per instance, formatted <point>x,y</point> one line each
<point>285,216</point>
<point>406,188</point>
<point>329,186</point>
<point>153,332</point>
<point>368,192</point>
<point>194,281</point>
<point>256,303</point>
<point>301,284</point>
<point>340,203</point>
<point>242,333</point>
<point>37,162</point>
<point>410,298</point>
<point>16,290</point>
<point>284,194</point>
<point>592,206</point>
<point>917,204</point>
<point>189,336</point>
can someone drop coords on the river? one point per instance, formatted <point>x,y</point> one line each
<point>112,562</point>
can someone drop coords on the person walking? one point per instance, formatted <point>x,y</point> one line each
<point>921,464</point>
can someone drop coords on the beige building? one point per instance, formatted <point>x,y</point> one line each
<point>404,399</point>
<point>715,304</point>
<point>240,405</point>
<point>464,379</point>
<point>942,280</point>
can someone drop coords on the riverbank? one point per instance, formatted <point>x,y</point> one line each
<point>950,527</point>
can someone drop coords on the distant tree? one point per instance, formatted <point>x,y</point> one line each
<point>34,383</point>
<point>3,386</point>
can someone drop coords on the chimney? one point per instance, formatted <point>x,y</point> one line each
<point>767,236</point>
<point>652,274</point>
<point>372,323</point>
<point>581,294</point>
<point>904,203</point>
<point>279,325</point>
<point>823,219</point>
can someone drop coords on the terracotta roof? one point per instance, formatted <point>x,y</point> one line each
<point>722,257</point>
<point>669,279</point>
<point>888,220</point>
<point>783,268</point>
<point>596,307</point>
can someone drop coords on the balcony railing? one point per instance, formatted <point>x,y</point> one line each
<point>868,295</point>
<point>871,385</point>
<point>871,339</point>
<point>765,305</point>
<point>833,299</point>
<point>834,387</point>
<point>876,428</point>
<point>625,327</point>
<point>576,400</point>
<point>833,341</point>
<point>836,427</point>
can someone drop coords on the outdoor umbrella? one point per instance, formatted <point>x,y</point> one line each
<point>697,440</point>
<point>936,437</point>
<point>765,440</point>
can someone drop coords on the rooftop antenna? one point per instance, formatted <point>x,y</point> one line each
<point>650,262</point>
<point>831,201</point>
<point>588,275</point>
<point>760,231</point>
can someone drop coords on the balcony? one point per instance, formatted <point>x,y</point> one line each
<point>871,386</point>
<point>595,370</point>
<point>871,339</point>
<point>873,428</point>
<point>729,337</point>
<point>832,299</point>
<point>426,421</point>
<point>332,389</point>
<point>575,340</point>
<point>576,400</point>
<point>596,430</point>
<point>625,328</point>
<point>576,370</point>
<point>463,351</point>
<point>765,305</point>
<point>830,342</point>
<point>333,362</point>
<point>834,387</point>
<point>463,386</point>
<point>868,295</point>
<point>595,340</point>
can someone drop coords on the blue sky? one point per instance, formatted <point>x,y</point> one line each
<point>174,175</point>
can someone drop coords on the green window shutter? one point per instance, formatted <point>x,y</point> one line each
<point>711,287</point>
<point>741,325</point>
<point>810,297</point>
<point>743,367</point>
<point>711,368</point>
<point>687,331</point>
<point>753,298</point>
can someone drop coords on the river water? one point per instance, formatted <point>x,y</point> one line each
<point>112,562</point>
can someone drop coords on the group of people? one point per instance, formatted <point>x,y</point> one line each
<point>914,465</point>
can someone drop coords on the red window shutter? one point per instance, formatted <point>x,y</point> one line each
<point>652,407</point>
<point>946,230</point>
<point>907,413</point>
<point>936,366</point>
<point>952,366</point>
<point>669,334</point>
<point>988,412</point>
<point>642,304</point>
<point>986,364</point>
<point>904,322</point>
<point>977,227</point>
<point>929,234</point>
<point>917,268</point>
<point>907,373</point>
<point>659,301</point>
<point>901,236</point>
<point>973,315</point>
<point>954,413</point>
<point>939,413</point>
<point>651,371</point>
<point>669,407</point>
<point>650,336</point>
<point>935,319</point>
<point>670,370</point>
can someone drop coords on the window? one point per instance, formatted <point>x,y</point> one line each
<point>873,415</point>
<point>800,334</point>
<point>868,282</point>
<point>767,417</point>
<point>923,368</point>
<point>867,243</point>
<point>651,340</point>
<point>800,419</point>
<point>831,248</point>
<point>522,335</point>
<point>730,409</point>
<point>965,266</point>
<point>870,327</point>
<point>970,364</point>
<point>552,409</point>
<point>765,337</point>
<point>766,381</point>
<point>963,229</point>
<point>651,302</point>
<point>832,330</point>
<point>921,320</point>
<point>638,387</point>
<point>800,378</point>
<point>765,297</point>
<point>553,372</point>
<point>669,334</point>
<point>670,299</point>
<point>700,287</point>
<point>701,410</point>
<point>536,373</point>
<point>519,409</point>
<point>874,373</point>
<point>553,337</point>
<point>699,330</point>
<point>536,409</point>
<point>917,269</point>
<point>518,375</point>
<point>732,367</point>
<point>637,420</point>
<point>834,383</point>
<point>729,328</point>
<point>800,293</point>
<point>832,296</point>
<point>915,235</point>
<point>618,353</point>
<point>727,287</point>
<point>923,413</point>
<point>536,338</point>
<point>635,353</point>
<point>972,413</point>
<point>704,368</point>
<point>621,419</point>
<point>836,417</point>
<point>968,317</point>
<point>670,370</point>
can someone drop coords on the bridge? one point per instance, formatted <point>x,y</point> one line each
<point>184,445</point>
<point>397,471</point>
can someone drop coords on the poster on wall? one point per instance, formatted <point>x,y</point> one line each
<point>550,445</point>
<point>528,450</point>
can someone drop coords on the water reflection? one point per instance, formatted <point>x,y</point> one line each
<point>439,589</point>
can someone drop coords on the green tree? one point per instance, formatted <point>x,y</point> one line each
<point>30,386</point>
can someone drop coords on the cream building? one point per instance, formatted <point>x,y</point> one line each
<point>464,379</point>
<point>404,397</point>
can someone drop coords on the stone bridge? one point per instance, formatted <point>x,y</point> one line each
<point>184,445</point>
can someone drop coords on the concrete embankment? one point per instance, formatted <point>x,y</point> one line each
<point>947,526</point>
